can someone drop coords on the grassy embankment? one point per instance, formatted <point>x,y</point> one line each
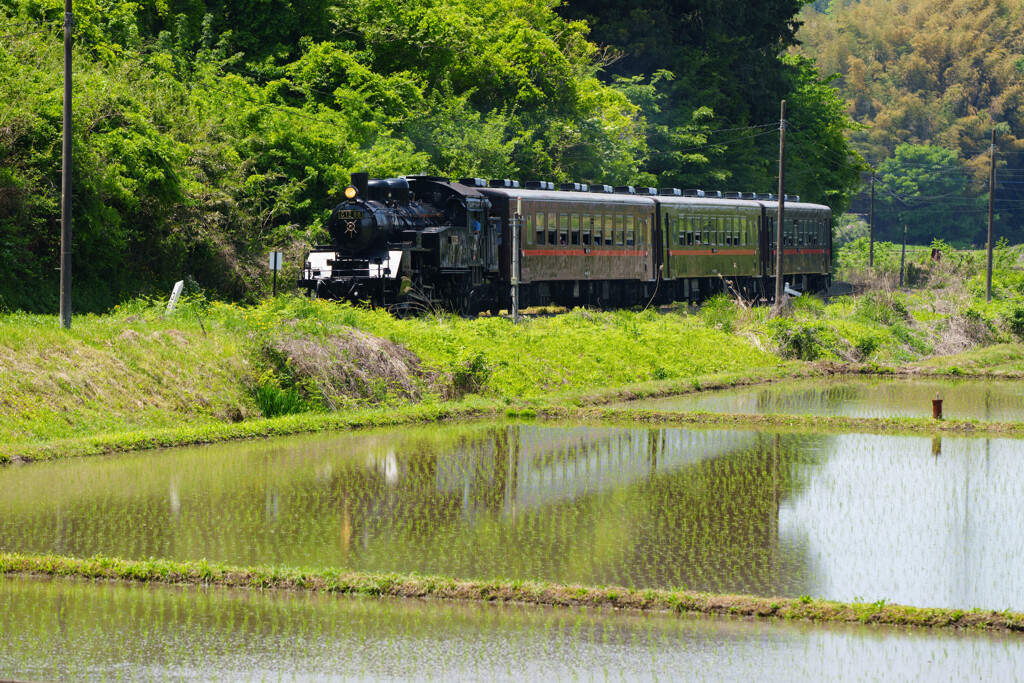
<point>502,590</point>
<point>139,378</point>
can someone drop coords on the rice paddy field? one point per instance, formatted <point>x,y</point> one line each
<point>861,397</point>
<point>808,528</point>
<point>915,520</point>
<point>73,630</point>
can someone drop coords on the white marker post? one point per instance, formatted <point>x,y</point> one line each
<point>175,293</point>
<point>276,259</point>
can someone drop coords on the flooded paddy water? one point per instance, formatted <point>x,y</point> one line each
<point>908,519</point>
<point>966,399</point>
<point>76,630</point>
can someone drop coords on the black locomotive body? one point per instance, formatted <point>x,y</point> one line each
<point>429,240</point>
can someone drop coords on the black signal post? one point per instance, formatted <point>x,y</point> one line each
<point>782,206</point>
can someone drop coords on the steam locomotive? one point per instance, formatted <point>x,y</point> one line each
<point>464,245</point>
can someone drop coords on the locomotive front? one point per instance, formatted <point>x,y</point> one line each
<point>371,232</point>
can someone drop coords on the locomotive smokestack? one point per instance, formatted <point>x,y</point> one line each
<point>361,181</point>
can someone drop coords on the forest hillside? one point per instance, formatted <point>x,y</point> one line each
<point>928,81</point>
<point>207,133</point>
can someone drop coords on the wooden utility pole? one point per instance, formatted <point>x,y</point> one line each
<point>782,205</point>
<point>65,205</point>
<point>903,254</point>
<point>871,224</point>
<point>991,198</point>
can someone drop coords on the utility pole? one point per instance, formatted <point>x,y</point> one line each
<point>903,254</point>
<point>782,203</point>
<point>65,205</point>
<point>871,224</point>
<point>991,198</point>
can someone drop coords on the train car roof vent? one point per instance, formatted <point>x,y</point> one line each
<point>571,187</point>
<point>732,195</point>
<point>473,182</point>
<point>713,194</point>
<point>792,198</point>
<point>693,193</point>
<point>670,192</point>
<point>535,184</point>
<point>747,195</point>
<point>624,189</point>
<point>604,189</point>
<point>764,196</point>
<point>649,191</point>
<point>502,183</point>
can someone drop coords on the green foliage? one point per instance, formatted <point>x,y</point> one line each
<point>719,312</point>
<point>915,179</point>
<point>274,401</point>
<point>854,256</point>
<point>802,339</point>
<point>205,137</point>
<point>701,70</point>
<point>930,74</point>
<point>1014,319</point>
<point>885,308</point>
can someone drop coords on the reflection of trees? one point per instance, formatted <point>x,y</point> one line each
<point>636,506</point>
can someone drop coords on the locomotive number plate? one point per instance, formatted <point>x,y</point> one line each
<point>349,213</point>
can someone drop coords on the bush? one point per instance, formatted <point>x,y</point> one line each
<point>719,312</point>
<point>1014,319</point>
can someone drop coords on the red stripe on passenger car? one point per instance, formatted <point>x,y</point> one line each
<point>708,252</point>
<point>580,252</point>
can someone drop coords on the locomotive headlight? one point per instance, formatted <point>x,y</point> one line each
<point>351,192</point>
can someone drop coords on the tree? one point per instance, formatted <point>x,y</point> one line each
<point>708,77</point>
<point>926,189</point>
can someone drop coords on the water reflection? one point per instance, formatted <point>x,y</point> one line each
<point>970,399</point>
<point>60,630</point>
<point>839,516</point>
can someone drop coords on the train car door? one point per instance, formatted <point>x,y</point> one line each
<point>486,243</point>
<point>652,243</point>
<point>664,263</point>
<point>765,228</point>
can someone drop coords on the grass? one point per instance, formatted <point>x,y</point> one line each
<point>525,592</point>
<point>138,377</point>
<point>135,372</point>
<point>477,408</point>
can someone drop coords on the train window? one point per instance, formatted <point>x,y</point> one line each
<point>744,227</point>
<point>697,238</point>
<point>588,228</point>
<point>552,228</point>
<point>597,223</point>
<point>528,227</point>
<point>796,231</point>
<point>712,231</point>
<point>630,231</point>
<point>608,236</point>
<point>539,225</point>
<point>563,228</point>
<point>619,234</point>
<point>574,235</point>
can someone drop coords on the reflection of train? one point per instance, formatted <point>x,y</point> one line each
<point>451,243</point>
